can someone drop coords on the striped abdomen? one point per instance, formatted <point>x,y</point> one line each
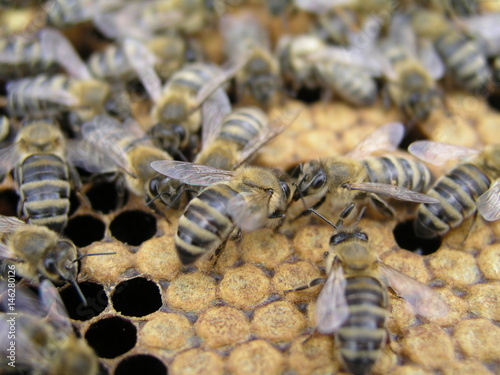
<point>111,64</point>
<point>464,57</point>
<point>243,125</point>
<point>19,58</point>
<point>398,171</point>
<point>362,336</point>
<point>193,77</point>
<point>457,193</point>
<point>44,188</point>
<point>206,224</point>
<point>40,95</point>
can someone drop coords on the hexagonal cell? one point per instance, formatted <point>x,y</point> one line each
<point>141,364</point>
<point>95,296</point>
<point>136,297</point>
<point>85,229</point>
<point>8,202</point>
<point>105,197</point>
<point>133,227</point>
<point>111,337</point>
<point>405,237</point>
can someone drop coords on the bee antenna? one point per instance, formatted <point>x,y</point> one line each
<point>325,219</point>
<point>79,291</point>
<point>92,254</point>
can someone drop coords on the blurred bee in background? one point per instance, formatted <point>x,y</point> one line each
<point>278,7</point>
<point>45,334</point>
<point>353,302</point>
<point>246,199</point>
<point>244,34</point>
<point>5,130</point>
<point>43,173</point>
<point>175,113</point>
<point>47,52</point>
<point>38,253</point>
<point>473,184</point>
<point>357,177</point>
<point>411,76</point>
<point>110,146</point>
<point>462,54</point>
<point>456,8</point>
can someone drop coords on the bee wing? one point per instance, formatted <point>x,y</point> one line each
<point>214,109</point>
<point>87,156</point>
<point>122,23</point>
<point>53,307</point>
<point>396,192</point>
<point>488,204</point>
<point>424,301</point>
<point>438,153</point>
<point>487,28</point>
<point>430,59</point>
<point>238,30</point>
<point>143,61</point>
<point>9,224</point>
<point>274,128</point>
<point>191,173</point>
<point>385,138</point>
<point>55,46</point>
<point>331,307</point>
<point>320,6</point>
<point>218,80</point>
<point>103,135</point>
<point>247,210</point>
<point>8,159</point>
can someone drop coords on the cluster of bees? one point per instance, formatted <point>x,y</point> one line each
<point>192,151</point>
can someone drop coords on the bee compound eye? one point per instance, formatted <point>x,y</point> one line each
<point>318,181</point>
<point>285,188</point>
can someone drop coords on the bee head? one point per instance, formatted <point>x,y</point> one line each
<point>167,189</point>
<point>169,136</point>
<point>59,264</point>
<point>312,180</point>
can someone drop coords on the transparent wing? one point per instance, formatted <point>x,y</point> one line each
<point>425,301</point>
<point>320,6</point>
<point>191,173</point>
<point>218,80</point>
<point>8,224</point>
<point>274,128</point>
<point>384,138</point>
<point>438,153</point>
<point>6,253</point>
<point>53,306</point>
<point>214,109</point>
<point>396,192</point>
<point>55,46</point>
<point>402,33</point>
<point>487,28</point>
<point>331,307</point>
<point>87,156</point>
<point>430,59</point>
<point>143,61</point>
<point>8,159</point>
<point>248,210</point>
<point>242,30</point>
<point>488,204</point>
<point>106,135</point>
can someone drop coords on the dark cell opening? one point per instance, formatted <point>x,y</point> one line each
<point>133,227</point>
<point>494,101</point>
<point>308,95</point>
<point>107,196</point>
<point>137,297</point>
<point>406,239</point>
<point>141,364</point>
<point>111,337</point>
<point>412,134</point>
<point>8,202</point>
<point>95,296</point>
<point>74,203</point>
<point>85,229</point>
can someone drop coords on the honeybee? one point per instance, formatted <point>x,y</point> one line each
<point>44,336</point>
<point>353,301</point>
<point>242,34</point>
<point>43,173</point>
<point>37,252</point>
<point>4,129</point>
<point>473,184</point>
<point>62,13</point>
<point>110,146</point>
<point>453,8</point>
<point>246,199</point>
<point>45,53</point>
<point>356,177</point>
<point>461,53</point>
<point>175,111</point>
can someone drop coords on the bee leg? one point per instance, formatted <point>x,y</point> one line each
<point>312,283</point>
<point>309,210</point>
<point>393,292</point>
<point>471,227</point>
<point>382,206</point>
<point>215,257</point>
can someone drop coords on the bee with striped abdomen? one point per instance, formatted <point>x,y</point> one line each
<point>471,185</point>
<point>357,177</point>
<point>43,173</point>
<point>353,302</point>
<point>246,199</point>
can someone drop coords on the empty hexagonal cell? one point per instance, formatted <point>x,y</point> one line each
<point>95,296</point>
<point>136,297</point>
<point>111,337</point>
<point>8,202</point>
<point>141,364</point>
<point>85,229</point>
<point>133,227</point>
<point>406,239</point>
<point>106,197</point>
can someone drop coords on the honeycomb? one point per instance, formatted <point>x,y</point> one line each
<point>147,314</point>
